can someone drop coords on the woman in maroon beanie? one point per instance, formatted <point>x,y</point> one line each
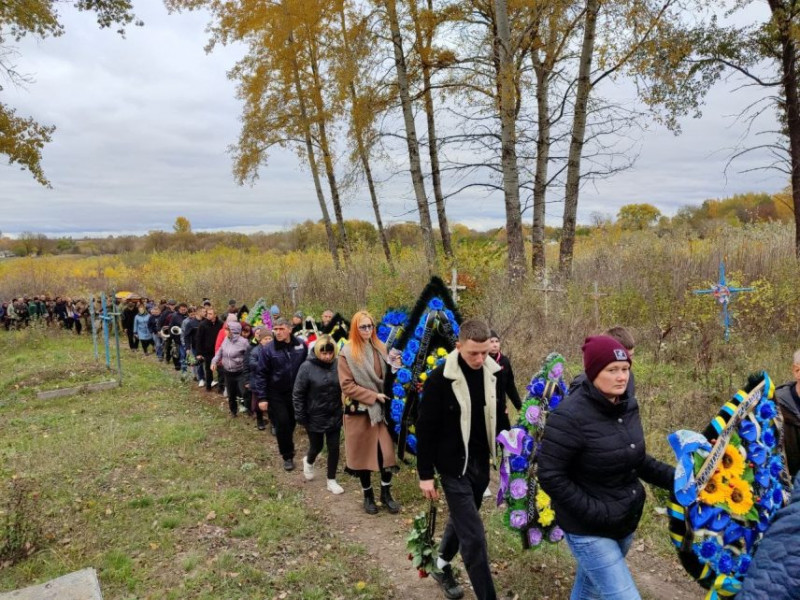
<point>590,463</point>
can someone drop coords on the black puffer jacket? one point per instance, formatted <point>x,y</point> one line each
<point>590,462</point>
<point>317,396</point>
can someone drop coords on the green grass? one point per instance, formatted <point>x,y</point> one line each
<point>154,487</point>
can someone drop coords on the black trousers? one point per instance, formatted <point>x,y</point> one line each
<point>208,374</point>
<point>146,344</point>
<point>281,413</point>
<point>232,380</point>
<point>133,341</point>
<point>464,530</point>
<point>331,439</point>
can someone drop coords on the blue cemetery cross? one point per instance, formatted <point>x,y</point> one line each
<point>722,293</point>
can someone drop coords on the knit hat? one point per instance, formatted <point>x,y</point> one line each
<point>599,351</point>
<point>231,302</point>
<point>298,314</point>
<point>493,334</point>
<point>235,328</point>
<point>274,310</point>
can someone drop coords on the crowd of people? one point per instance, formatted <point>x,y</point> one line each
<point>293,372</point>
<point>61,311</point>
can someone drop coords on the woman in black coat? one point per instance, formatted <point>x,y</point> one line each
<point>590,463</point>
<point>317,401</point>
<point>506,386</point>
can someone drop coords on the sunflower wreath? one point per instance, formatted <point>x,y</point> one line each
<point>528,509</point>
<point>423,339</point>
<point>729,483</point>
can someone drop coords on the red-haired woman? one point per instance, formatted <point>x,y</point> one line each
<point>367,443</point>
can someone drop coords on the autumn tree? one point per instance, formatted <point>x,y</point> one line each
<point>636,217</point>
<point>22,139</point>
<point>182,226</point>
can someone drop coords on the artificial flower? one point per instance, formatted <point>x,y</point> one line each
<point>732,463</point>
<point>383,332</point>
<point>733,532</point>
<point>740,498</point>
<point>411,441</point>
<point>557,534</point>
<point>725,562</point>
<point>436,304</point>
<point>532,414</point>
<point>555,400</point>
<point>775,466</point>
<point>528,446</point>
<point>719,521</point>
<point>748,430</point>
<point>398,391</point>
<point>518,519</point>
<point>757,453</point>
<point>441,352</point>
<point>413,346</point>
<point>536,387</point>
<point>709,549</point>
<point>518,488</point>
<point>767,410</point>
<point>518,464</point>
<point>714,492</point>
<point>423,376</point>
<point>547,516</point>
<point>419,332</point>
<point>542,499</point>
<point>403,376</point>
<point>768,437</point>
<point>430,361</point>
<point>743,562</point>
<point>761,477</point>
<point>534,536</point>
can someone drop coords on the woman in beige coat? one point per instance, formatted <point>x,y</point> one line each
<point>368,445</point>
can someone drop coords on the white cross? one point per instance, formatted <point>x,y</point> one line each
<point>454,287</point>
<point>547,290</point>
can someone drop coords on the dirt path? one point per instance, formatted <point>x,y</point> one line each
<point>383,535</point>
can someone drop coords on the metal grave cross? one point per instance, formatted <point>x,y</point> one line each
<point>547,289</point>
<point>454,287</point>
<point>595,295</point>
<point>723,293</point>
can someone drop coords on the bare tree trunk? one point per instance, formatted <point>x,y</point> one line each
<point>326,154</point>
<point>411,136</point>
<point>578,138</point>
<point>312,162</point>
<point>424,44</point>
<point>516,244</point>
<point>363,155</point>
<point>780,14</point>
<point>538,259</point>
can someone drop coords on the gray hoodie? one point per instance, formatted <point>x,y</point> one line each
<point>233,350</point>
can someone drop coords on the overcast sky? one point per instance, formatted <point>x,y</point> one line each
<point>144,124</point>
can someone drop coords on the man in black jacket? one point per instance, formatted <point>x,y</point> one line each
<point>455,436</point>
<point>274,378</point>
<point>126,320</point>
<point>206,339</point>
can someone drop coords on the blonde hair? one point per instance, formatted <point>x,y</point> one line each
<point>355,337</point>
<point>325,340</point>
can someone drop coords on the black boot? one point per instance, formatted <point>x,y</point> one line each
<point>386,499</point>
<point>369,502</point>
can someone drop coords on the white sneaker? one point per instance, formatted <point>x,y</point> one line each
<point>487,493</point>
<point>201,383</point>
<point>214,384</point>
<point>335,488</point>
<point>308,470</point>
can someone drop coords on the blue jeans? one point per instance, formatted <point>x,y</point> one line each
<point>602,573</point>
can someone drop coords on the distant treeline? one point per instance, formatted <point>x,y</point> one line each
<point>694,221</point>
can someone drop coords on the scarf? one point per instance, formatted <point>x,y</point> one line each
<point>364,375</point>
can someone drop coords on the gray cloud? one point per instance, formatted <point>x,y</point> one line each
<point>144,123</point>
